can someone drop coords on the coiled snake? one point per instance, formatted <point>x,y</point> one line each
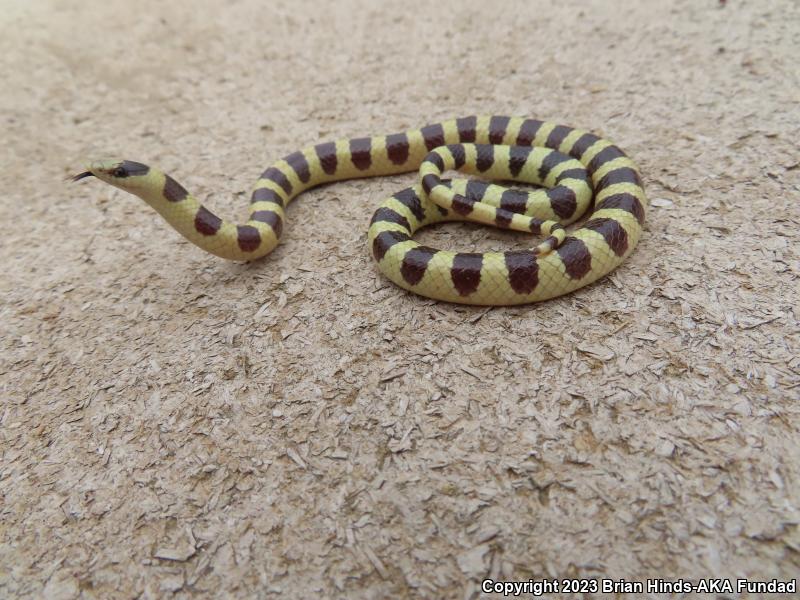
<point>575,165</point>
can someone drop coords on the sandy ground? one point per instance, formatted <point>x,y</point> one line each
<point>172,424</point>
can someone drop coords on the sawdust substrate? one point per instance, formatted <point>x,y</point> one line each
<point>173,424</point>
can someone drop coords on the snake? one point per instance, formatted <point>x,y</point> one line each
<point>567,172</point>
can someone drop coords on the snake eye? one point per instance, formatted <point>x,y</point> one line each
<point>129,168</point>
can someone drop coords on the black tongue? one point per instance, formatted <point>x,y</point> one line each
<point>80,176</point>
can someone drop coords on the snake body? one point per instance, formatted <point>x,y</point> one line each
<point>577,166</point>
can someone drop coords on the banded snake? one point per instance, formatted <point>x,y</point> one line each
<point>576,166</point>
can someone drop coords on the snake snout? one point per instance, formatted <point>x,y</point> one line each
<point>120,173</point>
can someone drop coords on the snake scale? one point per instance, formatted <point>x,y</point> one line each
<point>572,166</point>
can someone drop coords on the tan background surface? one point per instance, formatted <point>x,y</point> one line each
<point>172,423</point>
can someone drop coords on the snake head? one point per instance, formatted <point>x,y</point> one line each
<point>120,173</point>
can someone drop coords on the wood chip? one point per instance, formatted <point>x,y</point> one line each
<point>180,554</point>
